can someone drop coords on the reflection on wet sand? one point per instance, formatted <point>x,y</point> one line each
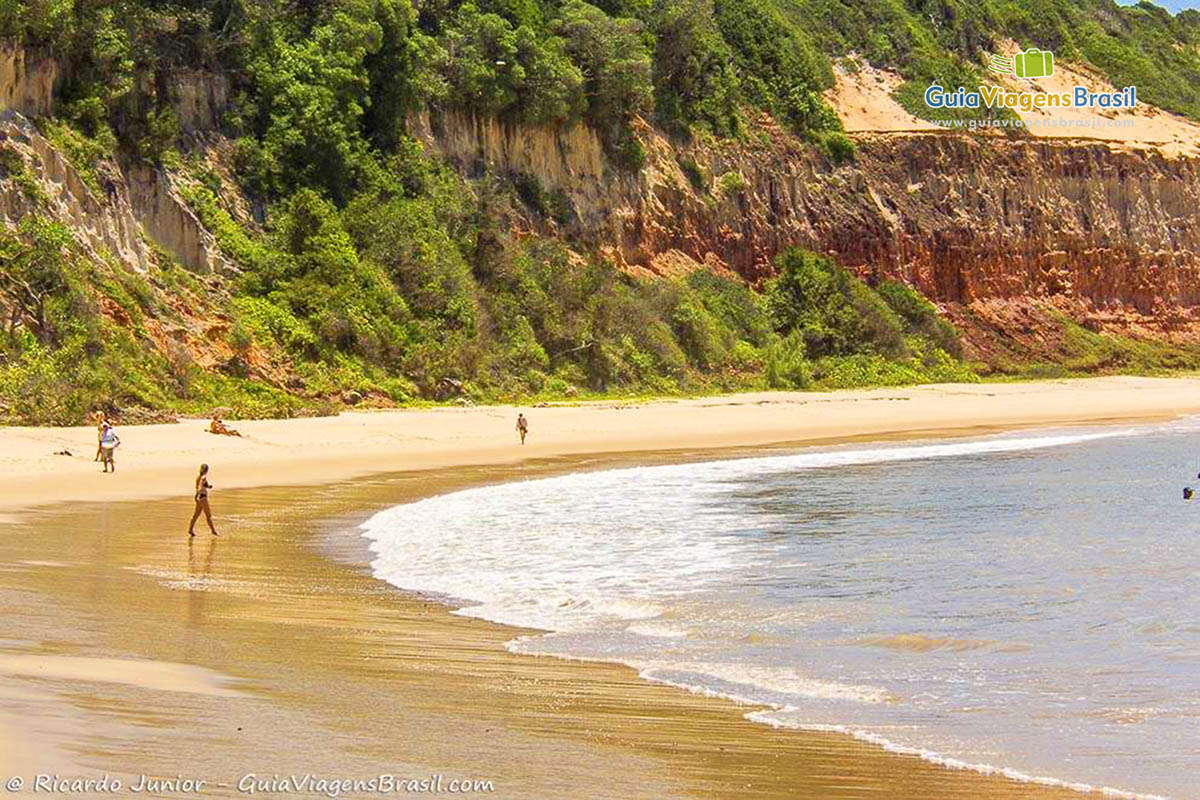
<point>335,673</point>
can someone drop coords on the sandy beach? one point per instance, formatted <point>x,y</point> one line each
<point>161,460</point>
<point>129,650</point>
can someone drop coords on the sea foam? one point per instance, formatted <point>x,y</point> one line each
<point>650,566</point>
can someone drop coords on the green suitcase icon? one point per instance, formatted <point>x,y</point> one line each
<point>1034,64</point>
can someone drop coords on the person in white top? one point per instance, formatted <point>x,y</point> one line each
<point>109,441</point>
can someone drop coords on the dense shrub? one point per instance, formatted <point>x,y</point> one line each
<point>694,77</point>
<point>920,316</point>
<point>779,68</point>
<point>837,332</point>
<point>787,365</point>
<point>831,308</point>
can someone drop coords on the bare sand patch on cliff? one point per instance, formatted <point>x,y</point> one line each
<point>1143,125</point>
<point>863,99</point>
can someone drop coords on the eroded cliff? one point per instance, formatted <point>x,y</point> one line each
<point>988,226</point>
<point>1004,233</point>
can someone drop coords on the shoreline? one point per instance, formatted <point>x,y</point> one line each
<point>206,631</point>
<point>620,730</point>
<point>757,712</point>
<point>158,461</point>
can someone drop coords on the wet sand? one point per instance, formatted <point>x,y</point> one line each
<point>127,649</point>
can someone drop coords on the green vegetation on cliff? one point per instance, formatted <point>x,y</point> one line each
<point>314,74</point>
<point>379,299</point>
<point>376,269</point>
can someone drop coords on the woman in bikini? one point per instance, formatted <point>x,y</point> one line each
<point>202,487</point>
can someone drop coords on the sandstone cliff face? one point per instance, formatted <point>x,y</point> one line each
<point>985,225</point>
<point>170,222</point>
<point>134,203</point>
<point>199,99</point>
<point>1112,235</point>
<point>28,79</point>
<point>104,225</point>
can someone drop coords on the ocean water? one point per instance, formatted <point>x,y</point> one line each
<point>1028,602</point>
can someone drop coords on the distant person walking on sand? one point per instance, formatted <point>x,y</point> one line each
<point>522,426</point>
<point>100,421</point>
<point>202,487</point>
<point>109,441</point>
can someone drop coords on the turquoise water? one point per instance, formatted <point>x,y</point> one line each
<point>1024,603</point>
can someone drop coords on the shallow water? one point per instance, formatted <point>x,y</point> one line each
<point>1022,602</point>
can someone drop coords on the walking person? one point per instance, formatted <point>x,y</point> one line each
<point>100,420</point>
<point>109,442</point>
<point>201,496</point>
<point>522,426</point>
